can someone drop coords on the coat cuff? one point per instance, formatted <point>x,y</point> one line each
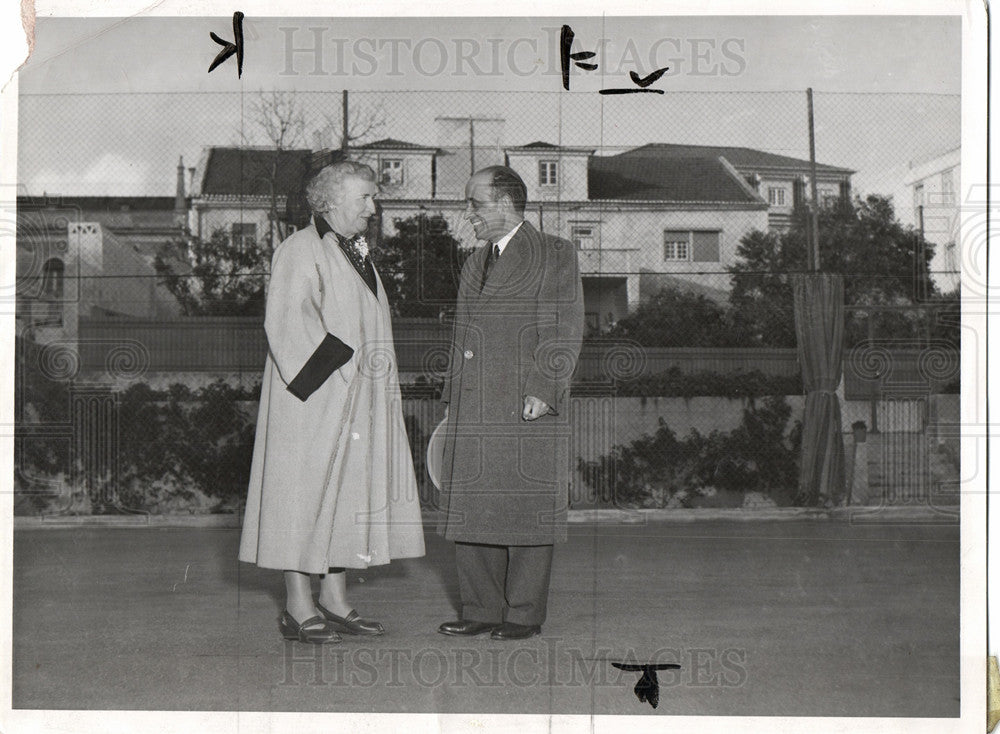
<point>330,355</point>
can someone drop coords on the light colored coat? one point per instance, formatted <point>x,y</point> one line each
<point>506,480</point>
<point>332,481</point>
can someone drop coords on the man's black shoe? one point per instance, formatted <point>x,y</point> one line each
<point>512,631</point>
<point>466,628</point>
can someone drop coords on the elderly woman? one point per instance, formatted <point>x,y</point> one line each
<point>332,483</point>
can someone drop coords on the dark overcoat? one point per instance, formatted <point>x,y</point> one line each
<point>505,480</point>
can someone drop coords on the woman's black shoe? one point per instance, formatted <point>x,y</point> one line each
<point>315,630</point>
<point>352,624</point>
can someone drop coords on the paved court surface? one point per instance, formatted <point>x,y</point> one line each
<point>793,618</point>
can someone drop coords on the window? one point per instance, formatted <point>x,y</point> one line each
<point>547,173</point>
<point>691,245</point>
<point>775,196</point>
<point>47,310</point>
<point>677,246</point>
<point>827,196</point>
<point>243,235</point>
<point>392,171</point>
<point>918,196</point>
<point>948,187</point>
<point>584,236</point>
<point>52,279</point>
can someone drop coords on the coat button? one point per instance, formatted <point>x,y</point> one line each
<point>468,354</point>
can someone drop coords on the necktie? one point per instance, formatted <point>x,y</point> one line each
<point>491,259</point>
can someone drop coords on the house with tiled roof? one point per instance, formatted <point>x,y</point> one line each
<point>643,218</point>
<point>640,224</point>
<point>551,172</point>
<point>405,171</point>
<point>781,180</point>
<point>251,193</point>
<point>662,214</point>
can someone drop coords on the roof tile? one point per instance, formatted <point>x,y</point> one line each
<point>653,179</point>
<point>248,171</point>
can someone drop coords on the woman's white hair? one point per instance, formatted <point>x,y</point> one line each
<point>327,186</point>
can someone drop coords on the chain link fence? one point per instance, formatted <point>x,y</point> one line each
<point>143,259</point>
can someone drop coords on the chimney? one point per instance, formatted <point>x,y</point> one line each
<point>180,200</point>
<point>179,204</point>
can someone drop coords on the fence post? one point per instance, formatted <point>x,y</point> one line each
<point>94,415</point>
<point>876,395</point>
<point>592,418</point>
<point>857,481</point>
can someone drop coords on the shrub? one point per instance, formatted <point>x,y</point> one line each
<point>188,443</point>
<point>41,399</point>
<point>176,448</point>
<point>678,318</point>
<point>760,455</point>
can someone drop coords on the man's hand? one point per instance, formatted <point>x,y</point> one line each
<point>445,412</point>
<point>533,408</point>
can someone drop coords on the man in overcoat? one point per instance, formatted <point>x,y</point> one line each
<point>505,474</point>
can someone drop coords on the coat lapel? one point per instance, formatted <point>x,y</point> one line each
<point>477,263</point>
<point>509,267</point>
<point>323,229</point>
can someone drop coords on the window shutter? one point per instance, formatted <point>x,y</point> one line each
<point>705,247</point>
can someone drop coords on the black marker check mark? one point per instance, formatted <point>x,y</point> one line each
<point>645,81</point>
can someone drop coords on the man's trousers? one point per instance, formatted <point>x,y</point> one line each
<point>504,583</point>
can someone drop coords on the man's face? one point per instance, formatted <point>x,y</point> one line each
<point>349,214</point>
<point>486,216</point>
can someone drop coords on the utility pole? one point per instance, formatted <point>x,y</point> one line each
<point>471,120</point>
<point>344,139</point>
<point>813,255</point>
<point>472,146</point>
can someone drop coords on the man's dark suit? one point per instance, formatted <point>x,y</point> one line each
<point>505,479</point>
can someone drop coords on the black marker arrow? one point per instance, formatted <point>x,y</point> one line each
<point>228,49</point>
<point>648,687</point>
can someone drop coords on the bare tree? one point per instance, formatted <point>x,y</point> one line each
<point>280,119</point>
<point>363,122</point>
<point>280,116</point>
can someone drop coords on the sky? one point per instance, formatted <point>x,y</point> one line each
<point>831,53</point>
<point>108,105</point>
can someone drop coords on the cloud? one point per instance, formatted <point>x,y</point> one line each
<point>110,175</point>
